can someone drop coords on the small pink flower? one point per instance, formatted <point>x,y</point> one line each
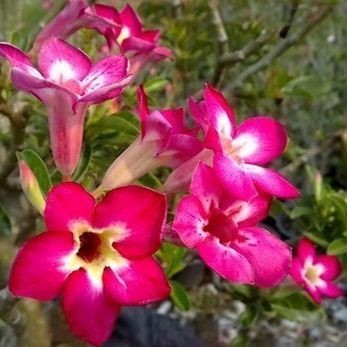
<point>316,273</point>
<point>242,150</point>
<point>94,256</point>
<point>164,140</point>
<point>121,29</point>
<point>223,230</point>
<point>67,83</point>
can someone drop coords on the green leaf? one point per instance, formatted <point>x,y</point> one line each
<point>300,211</point>
<point>83,164</point>
<point>338,246</point>
<point>5,223</point>
<point>38,167</point>
<point>179,296</point>
<point>155,84</point>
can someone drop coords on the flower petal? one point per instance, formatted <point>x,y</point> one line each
<point>89,312</point>
<point>314,293</point>
<point>130,20</point>
<point>15,56</point>
<point>331,265</point>
<point>260,140</point>
<point>296,271</point>
<point>37,271</point>
<point>190,220</point>
<point>235,180</point>
<point>330,290</point>
<point>62,62</point>
<point>226,261</point>
<point>272,182</point>
<point>141,211</point>
<point>269,256</point>
<point>140,283</point>
<point>219,114</point>
<point>306,249</point>
<point>66,203</point>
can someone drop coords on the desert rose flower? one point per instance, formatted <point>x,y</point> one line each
<point>122,30</point>
<point>224,231</point>
<point>316,272</point>
<point>242,150</point>
<point>164,140</point>
<point>67,82</point>
<point>94,256</point>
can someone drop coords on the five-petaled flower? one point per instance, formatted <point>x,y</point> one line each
<point>67,83</point>
<point>224,231</point>
<point>242,150</point>
<point>94,256</point>
<point>164,140</point>
<point>316,272</point>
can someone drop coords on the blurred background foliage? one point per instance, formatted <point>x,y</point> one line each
<point>282,58</point>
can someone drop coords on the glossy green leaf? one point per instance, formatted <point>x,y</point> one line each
<point>179,296</point>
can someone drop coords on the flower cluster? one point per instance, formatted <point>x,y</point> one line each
<point>97,251</point>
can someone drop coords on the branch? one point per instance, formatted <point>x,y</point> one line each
<point>281,48</point>
<point>285,30</point>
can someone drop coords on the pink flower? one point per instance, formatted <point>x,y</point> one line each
<point>316,273</point>
<point>94,256</point>
<point>242,150</point>
<point>67,83</point>
<point>223,230</point>
<point>164,140</point>
<point>121,29</point>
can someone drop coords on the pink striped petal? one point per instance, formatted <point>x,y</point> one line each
<point>331,265</point>
<point>331,290</point>
<point>90,314</point>
<point>67,203</point>
<point>105,72</point>
<point>62,62</point>
<point>140,283</point>
<point>306,250</point>
<point>272,182</point>
<point>260,140</point>
<point>234,179</point>
<point>269,256</point>
<point>220,115</point>
<point>296,271</point>
<point>314,293</point>
<point>226,261</point>
<point>142,211</point>
<point>37,271</point>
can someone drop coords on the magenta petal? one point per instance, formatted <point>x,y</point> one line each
<point>306,250</point>
<point>272,182</point>
<point>220,115</point>
<point>67,203</point>
<point>296,271</point>
<point>15,56</point>
<point>107,71</point>
<point>89,312</point>
<point>330,290</point>
<point>62,62</point>
<point>141,211</point>
<point>260,140</point>
<point>139,283</point>
<point>37,271</point>
<point>144,112</point>
<point>269,256</point>
<point>133,43</point>
<point>331,265</point>
<point>190,220</point>
<point>130,20</point>
<point>226,261</point>
<point>314,293</point>
<point>235,180</point>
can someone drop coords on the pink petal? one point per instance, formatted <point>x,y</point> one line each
<point>306,250</point>
<point>233,177</point>
<point>133,43</point>
<point>107,71</point>
<point>331,290</point>
<point>15,56</point>
<point>108,13</point>
<point>140,283</point>
<point>67,203</point>
<point>272,182</point>
<point>144,112</point>
<point>331,265</point>
<point>151,35</point>
<point>226,261</point>
<point>260,140</point>
<point>130,20</point>
<point>37,271</point>
<point>190,219</point>
<point>296,271</point>
<point>314,293</point>
<point>142,212</point>
<point>220,115</point>
<point>269,256</point>
<point>199,113</point>
<point>175,117</point>
<point>62,62</point>
<point>90,314</point>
